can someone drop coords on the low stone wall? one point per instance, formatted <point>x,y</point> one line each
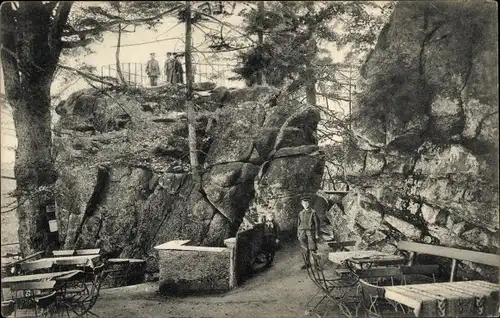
<point>188,269</point>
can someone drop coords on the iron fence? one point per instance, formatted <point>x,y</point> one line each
<point>135,73</point>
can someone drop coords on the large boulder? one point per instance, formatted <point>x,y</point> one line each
<point>425,164</point>
<point>124,172</point>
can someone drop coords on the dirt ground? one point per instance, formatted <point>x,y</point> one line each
<point>281,291</point>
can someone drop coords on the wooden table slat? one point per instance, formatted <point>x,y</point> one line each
<point>460,296</point>
<point>67,260</point>
<point>35,277</point>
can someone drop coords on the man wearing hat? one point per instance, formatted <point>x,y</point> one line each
<point>153,70</point>
<point>169,67</point>
<point>308,226</point>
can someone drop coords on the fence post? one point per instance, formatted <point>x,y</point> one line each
<point>102,75</point>
<point>129,73</point>
<point>135,73</point>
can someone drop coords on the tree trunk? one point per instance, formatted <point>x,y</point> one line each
<point>117,55</point>
<point>310,75</point>
<point>260,35</point>
<point>193,153</point>
<point>29,60</point>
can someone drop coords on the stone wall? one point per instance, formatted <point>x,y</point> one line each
<point>424,165</point>
<point>188,270</point>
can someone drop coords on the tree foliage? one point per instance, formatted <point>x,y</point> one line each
<point>289,27</point>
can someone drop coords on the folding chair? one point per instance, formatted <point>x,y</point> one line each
<point>8,307</point>
<point>82,298</point>
<point>340,289</point>
<point>372,282</point>
<point>31,300</point>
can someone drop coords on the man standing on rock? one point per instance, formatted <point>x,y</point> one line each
<point>169,68</point>
<point>153,70</point>
<point>308,226</point>
<point>178,71</point>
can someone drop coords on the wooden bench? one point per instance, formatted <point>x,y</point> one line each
<point>90,251</point>
<point>58,253</point>
<point>454,254</point>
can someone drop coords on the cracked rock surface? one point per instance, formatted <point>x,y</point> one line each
<point>123,163</point>
<point>425,167</point>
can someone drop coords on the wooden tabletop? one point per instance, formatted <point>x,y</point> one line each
<point>39,277</point>
<point>465,298</point>
<point>341,257</point>
<point>87,260</point>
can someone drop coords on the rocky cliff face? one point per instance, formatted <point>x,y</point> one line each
<point>425,167</point>
<point>123,167</point>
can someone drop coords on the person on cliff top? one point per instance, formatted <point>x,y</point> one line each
<point>153,70</point>
<point>178,71</point>
<point>169,67</point>
<point>308,226</point>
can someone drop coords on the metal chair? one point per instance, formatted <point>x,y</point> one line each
<point>82,297</point>
<point>373,281</point>
<point>8,307</point>
<point>341,288</point>
<point>33,297</point>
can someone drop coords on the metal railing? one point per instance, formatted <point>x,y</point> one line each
<point>135,73</point>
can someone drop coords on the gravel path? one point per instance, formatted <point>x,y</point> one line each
<point>281,291</point>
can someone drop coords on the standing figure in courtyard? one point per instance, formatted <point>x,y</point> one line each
<point>308,226</point>
<point>153,70</point>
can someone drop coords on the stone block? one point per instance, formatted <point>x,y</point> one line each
<point>433,215</point>
<point>408,229</point>
<point>194,270</point>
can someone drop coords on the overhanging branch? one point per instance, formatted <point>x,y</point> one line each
<point>74,44</point>
<point>105,26</point>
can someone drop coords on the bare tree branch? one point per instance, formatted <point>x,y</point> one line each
<point>89,76</point>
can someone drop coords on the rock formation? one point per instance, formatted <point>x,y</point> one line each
<point>425,166</point>
<point>122,159</point>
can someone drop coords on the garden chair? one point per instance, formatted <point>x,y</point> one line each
<point>81,297</point>
<point>340,289</point>
<point>373,281</point>
<point>35,298</point>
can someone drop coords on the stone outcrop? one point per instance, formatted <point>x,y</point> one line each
<point>425,166</point>
<point>123,163</point>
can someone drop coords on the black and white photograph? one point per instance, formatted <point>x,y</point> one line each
<point>249,159</point>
